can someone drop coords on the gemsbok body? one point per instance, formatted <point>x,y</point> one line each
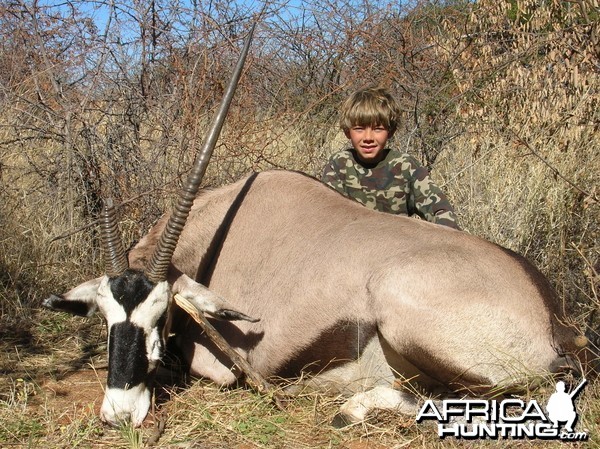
<point>299,279</point>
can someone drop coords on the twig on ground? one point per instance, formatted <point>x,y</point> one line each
<point>159,428</point>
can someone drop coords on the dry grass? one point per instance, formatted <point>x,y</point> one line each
<point>64,413</point>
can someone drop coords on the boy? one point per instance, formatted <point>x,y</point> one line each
<point>376,176</point>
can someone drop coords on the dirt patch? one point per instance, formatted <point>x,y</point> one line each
<point>81,393</point>
<point>75,393</point>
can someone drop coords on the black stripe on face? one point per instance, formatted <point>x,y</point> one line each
<point>127,359</point>
<point>130,289</point>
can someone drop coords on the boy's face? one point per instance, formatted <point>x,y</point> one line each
<point>369,142</point>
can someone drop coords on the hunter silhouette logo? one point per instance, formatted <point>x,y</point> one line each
<point>561,407</point>
<point>509,418</point>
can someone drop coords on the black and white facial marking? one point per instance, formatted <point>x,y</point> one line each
<point>137,314</point>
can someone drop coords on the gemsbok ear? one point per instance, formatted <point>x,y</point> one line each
<point>189,295</point>
<point>80,300</point>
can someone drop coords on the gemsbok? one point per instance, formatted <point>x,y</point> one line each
<point>299,279</point>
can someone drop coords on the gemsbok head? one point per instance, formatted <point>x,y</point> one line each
<point>136,303</point>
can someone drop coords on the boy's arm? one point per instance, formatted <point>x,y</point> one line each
<point>430,202</point>
<point>333,177</point>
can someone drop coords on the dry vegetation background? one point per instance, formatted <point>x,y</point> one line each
<point>111,98</point>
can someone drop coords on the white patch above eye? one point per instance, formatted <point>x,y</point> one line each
<point>113,311</point>
<point>153,307</point>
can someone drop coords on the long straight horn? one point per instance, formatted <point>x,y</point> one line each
<point>159,264</point>
<point>114,254</point>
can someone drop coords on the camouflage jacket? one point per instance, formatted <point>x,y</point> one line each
<point>398,185</point>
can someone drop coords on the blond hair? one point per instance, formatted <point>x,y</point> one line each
<point>373,106</point>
